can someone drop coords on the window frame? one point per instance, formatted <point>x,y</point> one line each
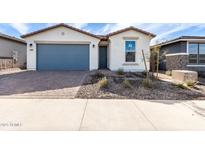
<point>198,53</point>
<point>127,51</point>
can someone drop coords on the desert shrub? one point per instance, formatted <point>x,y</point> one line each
<point>118,80</point>
<point>169,73</point>
<point>126,83</point>
<point>103,83</point>
<point>147,83</point>
<point>190,83</point>
<point>181,85</point>
<point>120,71</point>
<point>99,74</point>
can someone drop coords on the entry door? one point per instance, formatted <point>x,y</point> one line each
<point>103,57</point>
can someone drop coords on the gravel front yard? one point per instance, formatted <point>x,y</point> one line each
<point>117,89</point>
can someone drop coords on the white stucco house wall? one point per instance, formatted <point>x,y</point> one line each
<point>117,50</point>
<point>62,47</point>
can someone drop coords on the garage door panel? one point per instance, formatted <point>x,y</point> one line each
<point>62,57</point>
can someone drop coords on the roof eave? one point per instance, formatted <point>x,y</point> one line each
<point>131,28</point>
<point>59,25</point>
<point>87,33</point>
<point>177,40</point>
<point>13,39</point>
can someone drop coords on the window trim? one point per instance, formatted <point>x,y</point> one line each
<point>129,62</point>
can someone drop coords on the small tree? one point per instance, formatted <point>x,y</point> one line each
<point>155,59</point>
<point>147,73</point>
<point>152,62</point>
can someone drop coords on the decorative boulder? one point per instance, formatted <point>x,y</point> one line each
<point>185,75</point>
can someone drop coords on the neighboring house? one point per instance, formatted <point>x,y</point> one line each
<point>183,53</point>
<point>62,47</point>
<point>14,49</point>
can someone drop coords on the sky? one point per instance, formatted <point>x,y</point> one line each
<point>164,31</point>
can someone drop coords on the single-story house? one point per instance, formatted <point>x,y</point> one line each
<point>12,49</point>
<point>63,47</point>
<point>183,53</point>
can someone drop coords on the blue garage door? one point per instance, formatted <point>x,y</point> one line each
<point>63,57</point>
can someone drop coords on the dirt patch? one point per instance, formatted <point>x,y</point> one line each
<point>160,89</point>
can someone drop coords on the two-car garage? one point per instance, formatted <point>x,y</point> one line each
<point>62,48</point>
<point>62,56</point>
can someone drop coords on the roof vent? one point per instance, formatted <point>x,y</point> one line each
<point>62,33</point>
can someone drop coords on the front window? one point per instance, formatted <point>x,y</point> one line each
<point>196,53</point>
<point>193,53</point>
<point>130,49</point>
<point>201,53</point>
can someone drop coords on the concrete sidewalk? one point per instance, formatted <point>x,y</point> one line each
<point>83,114</point>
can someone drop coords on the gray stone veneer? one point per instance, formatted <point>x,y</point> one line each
<point>176,62</point>
<point>180,62</point>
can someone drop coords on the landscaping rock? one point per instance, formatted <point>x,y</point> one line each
<point>161,89</point>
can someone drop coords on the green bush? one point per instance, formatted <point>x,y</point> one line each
<point>120,71</point>
<point>98,74</point>
<point>169,73</point>
<point>103,83</point>
<point>147,83</point>
<point>190,83</point>
<point>126,83</point>
<point>181,85</point>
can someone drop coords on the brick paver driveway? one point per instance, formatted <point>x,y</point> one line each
<point>34,84</point>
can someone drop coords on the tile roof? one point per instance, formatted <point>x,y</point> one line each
<point>103,37</point>
<point>59,25</point>
<point>131,28</point>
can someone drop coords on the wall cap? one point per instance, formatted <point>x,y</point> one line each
<point>176,54</point>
